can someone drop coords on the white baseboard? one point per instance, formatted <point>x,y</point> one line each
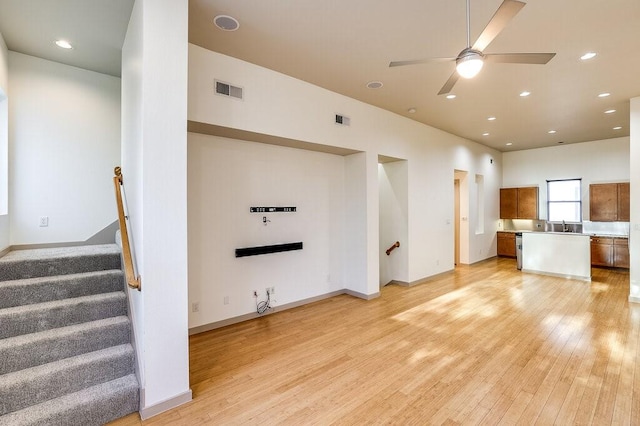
<point>634,299</point>
<point>362,295</point>
<point>252,315</point>
<point>165,405</point>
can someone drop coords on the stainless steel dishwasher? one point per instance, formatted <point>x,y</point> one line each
<point>519,250</point>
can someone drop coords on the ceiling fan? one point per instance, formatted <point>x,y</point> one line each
<point>469,62</point>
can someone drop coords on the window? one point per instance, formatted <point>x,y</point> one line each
<point>564,200</point>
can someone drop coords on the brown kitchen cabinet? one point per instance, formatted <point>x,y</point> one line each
<point>609,202</point>
<point>519,203</point>
<point>624,211</point>
<point>621,253</point>
<point>601,251</point>
<point>507,244</point>
<point>610,252</point>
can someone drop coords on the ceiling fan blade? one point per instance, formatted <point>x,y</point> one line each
<point>419,61</point>
<point>505,13</point>
<point>449,84</point>
<point>519,58</point>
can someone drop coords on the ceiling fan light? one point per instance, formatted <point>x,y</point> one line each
<point>469,66</point>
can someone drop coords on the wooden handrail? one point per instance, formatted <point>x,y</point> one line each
<point>393,247</point>
<point>132,280</point>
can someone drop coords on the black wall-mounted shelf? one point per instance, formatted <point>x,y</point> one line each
<point>255,251</point>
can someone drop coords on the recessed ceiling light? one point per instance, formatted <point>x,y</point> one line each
<point>64,44</point>
<point>226,22</point>
<point>509,143</point>
<point>617,128</point>
<point>411,110</point>
<point>525,94</point>
<point>604,95</point>
<point>551,132</point>
<point>588,55</point>
<point>610,111</point>
<point>451,96</point>
<point>485,134</point>
<point>374,84</point>
<point>491,118</point>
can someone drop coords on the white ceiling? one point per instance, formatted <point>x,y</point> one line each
<point>95,28</point>
<point>343,44</point>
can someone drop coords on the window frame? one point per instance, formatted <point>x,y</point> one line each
<point>549,201</point>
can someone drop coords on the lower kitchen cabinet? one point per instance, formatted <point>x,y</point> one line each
<point>507,244</point>
<point>621,253</point>
<point>610,252</point>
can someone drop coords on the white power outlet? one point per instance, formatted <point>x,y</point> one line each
<point>44,221</point>
<point>226,300</point>
<point>270,290</point>
<point>195,307</point>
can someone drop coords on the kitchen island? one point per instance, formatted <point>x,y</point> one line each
<point>562,254</point>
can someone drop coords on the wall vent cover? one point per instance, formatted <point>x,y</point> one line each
<point>226,89</point>
<point>342,120</point>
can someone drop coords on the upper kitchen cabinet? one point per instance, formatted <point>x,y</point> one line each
<point>609,202</point>
<point>519,203</point>
<point>624,210</point>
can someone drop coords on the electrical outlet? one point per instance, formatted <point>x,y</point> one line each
<point>195,307</point>
<point>226,300</point>
<point>270,290</point>
<point>255,293</point>
<point>44,221</point>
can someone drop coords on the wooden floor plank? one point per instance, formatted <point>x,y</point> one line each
<point>484,344</point>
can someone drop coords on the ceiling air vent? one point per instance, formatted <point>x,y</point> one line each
<point>342,120</point>
<point>226,89</point>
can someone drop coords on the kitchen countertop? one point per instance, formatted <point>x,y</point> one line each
<point>565,233</point>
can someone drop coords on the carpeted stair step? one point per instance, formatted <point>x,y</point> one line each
<point>21,320</point>
<point>92,406</point>
<point>34,385</point>
<point>21,264</point>
<point>30,350</point>
<point>45,289</point>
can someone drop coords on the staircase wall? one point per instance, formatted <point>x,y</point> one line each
<point>4,141</point>
<point>49,152</point>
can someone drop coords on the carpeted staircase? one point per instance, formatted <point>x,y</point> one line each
<point>65,345</point>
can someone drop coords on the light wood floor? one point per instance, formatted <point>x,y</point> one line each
<point>483,345</point>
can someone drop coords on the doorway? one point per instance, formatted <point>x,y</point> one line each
<point>456,221</point>
<point>460,217</point>
<point>393,186</point>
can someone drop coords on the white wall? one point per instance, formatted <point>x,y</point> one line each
<point>131,112</point>
<point>4,141</point>
<point>394,204</point>
<point>64,141</point>
<point>154,164</point>
<point>634,231</point>
<point>276,104</point>
<point>225,178</point>
<point>594,162</point>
